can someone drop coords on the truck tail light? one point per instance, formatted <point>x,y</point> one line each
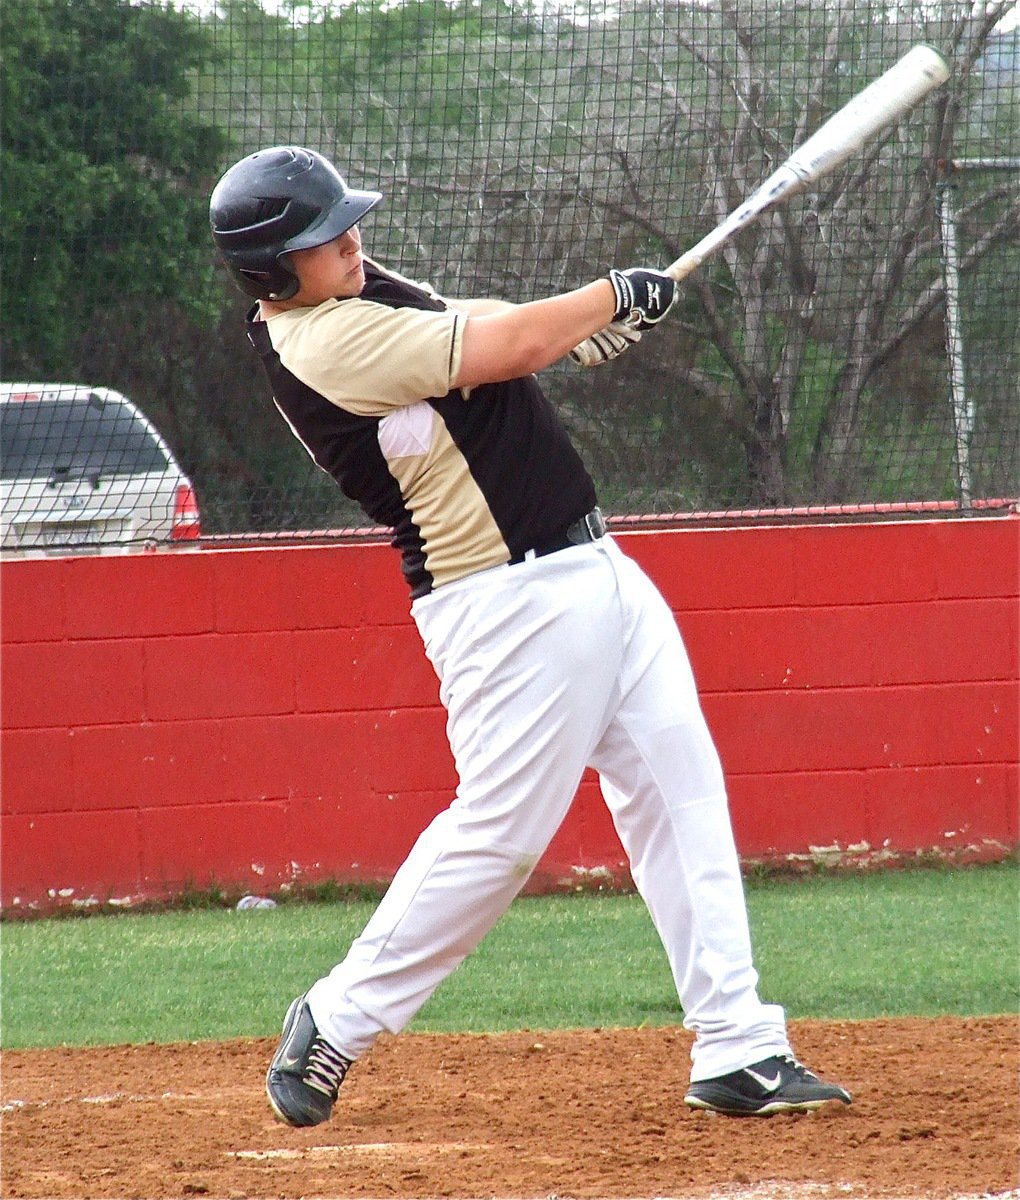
<point>187,524</point>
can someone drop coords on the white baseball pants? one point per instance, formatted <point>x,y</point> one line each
<point>546,667</point>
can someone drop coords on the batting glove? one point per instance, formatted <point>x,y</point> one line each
<point>643,296</point>
<point>607,344</point>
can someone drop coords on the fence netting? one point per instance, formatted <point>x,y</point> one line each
<point>856,351</point>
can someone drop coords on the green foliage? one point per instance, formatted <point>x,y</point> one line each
<point>922,942</point>
<point>103,170</point>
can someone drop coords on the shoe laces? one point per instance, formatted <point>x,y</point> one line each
<point>325,1069</point>
<point>795,1066</point>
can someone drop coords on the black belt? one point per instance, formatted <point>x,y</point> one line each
<point>589,528</point>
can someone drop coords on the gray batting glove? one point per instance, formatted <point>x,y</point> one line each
<point>607,344</point>
<point>643,296</point>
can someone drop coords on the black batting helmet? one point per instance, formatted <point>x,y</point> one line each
<point>280,199</point>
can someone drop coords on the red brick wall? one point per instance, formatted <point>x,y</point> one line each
<point>248,717</point>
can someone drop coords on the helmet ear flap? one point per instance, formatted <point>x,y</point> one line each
<point>276,284</point>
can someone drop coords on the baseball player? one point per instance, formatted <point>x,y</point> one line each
<point>553,650</point>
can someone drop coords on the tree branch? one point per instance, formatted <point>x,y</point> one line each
<point>1006,227</point>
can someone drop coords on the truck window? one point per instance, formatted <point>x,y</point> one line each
<point>73,437</point>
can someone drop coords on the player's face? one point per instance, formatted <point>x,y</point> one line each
<point>334,269</point>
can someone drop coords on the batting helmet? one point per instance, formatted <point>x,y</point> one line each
<point>276,200</point>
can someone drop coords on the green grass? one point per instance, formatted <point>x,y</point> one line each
<point>923,942</point>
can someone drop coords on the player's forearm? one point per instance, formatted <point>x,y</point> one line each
<point>521,339</point>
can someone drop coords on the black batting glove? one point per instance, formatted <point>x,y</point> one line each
<point>643,296</point>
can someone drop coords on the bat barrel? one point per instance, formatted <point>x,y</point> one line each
<point>881,103</point>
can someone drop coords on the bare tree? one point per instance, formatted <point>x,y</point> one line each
<point>854,266</point>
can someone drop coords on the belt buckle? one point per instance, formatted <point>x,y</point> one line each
<point>595,523</point>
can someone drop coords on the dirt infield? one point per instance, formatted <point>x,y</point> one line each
<point>589,1114</point>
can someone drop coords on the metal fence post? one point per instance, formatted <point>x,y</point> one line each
<point>963,408</point>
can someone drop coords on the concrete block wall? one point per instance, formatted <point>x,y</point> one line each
<point>252,717</point>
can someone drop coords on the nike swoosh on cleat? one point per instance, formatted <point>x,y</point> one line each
<point>769,1085</point>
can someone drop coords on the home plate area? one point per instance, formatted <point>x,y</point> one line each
<point>591,1114</point>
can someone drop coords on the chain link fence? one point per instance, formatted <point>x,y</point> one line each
<point>856,352</point>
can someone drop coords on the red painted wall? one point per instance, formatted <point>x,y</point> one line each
<point>249,717</point>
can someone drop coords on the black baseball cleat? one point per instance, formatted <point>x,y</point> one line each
<point>304,1078</point>
<point>775,1085</point>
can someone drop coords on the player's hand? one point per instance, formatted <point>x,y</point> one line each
<point>643,296</point>
<point>607,344</point>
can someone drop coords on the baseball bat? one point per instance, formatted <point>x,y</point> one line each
<point>882,103</point>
